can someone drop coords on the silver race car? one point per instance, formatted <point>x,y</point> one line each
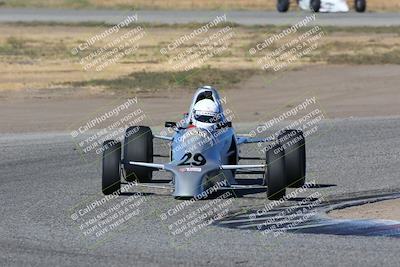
<point>204,152</point>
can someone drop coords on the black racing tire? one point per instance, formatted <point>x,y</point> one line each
<point>275,174</point>
<point>294,145</point>
<point>360,5</point>
<point>111,175</point>
<point>282,5</point>
<point>315,5</point>
<point>138,146</point>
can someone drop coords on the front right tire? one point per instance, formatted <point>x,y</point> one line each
<point>111,175</point>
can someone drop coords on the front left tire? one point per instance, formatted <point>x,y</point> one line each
<point>275,175</point>
<point>315,5</point>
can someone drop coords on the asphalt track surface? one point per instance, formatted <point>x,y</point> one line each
<point>170,17</point>
<point>290,218</point>
<point>44,181</point>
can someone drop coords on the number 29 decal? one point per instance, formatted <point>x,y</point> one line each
<point>198,159</point>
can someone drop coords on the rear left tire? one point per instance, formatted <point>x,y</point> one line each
<point>360,5</point>
<point>294,145</point>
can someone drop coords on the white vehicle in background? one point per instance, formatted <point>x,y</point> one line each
<point>326,6</point>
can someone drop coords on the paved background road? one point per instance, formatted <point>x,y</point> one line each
<point>241,17</point>
<point>43,178</point>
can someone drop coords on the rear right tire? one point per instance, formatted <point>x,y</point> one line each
<point>282,5</point>
<point>138,146</point>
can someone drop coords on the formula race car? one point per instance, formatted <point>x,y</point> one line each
<point>323,5</point>
<point>204,151</point>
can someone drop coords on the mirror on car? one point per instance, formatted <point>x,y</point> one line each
<point>170,124</point>
<point>224,124</point>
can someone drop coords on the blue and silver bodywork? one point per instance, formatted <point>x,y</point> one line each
<point>202,157</point>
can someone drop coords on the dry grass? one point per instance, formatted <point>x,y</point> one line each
<point>38,57</point>
<point>152,81</point>
<point>373,5</point>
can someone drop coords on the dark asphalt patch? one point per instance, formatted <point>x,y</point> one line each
<point>300,218</point>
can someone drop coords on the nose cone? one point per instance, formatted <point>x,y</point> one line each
<point>188,185</point>
<point>191,181</point>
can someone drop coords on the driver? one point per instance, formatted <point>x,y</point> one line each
<point>205,114</point>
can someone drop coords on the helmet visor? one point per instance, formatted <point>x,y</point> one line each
<point>205,118</point>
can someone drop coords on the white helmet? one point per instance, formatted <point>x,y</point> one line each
<point>205,113</point>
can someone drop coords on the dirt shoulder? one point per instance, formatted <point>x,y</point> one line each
<point>385,210</point>
<point>340,91</point>
<point>43,87</point>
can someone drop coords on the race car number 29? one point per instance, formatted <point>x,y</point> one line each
<point>198,159</point>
